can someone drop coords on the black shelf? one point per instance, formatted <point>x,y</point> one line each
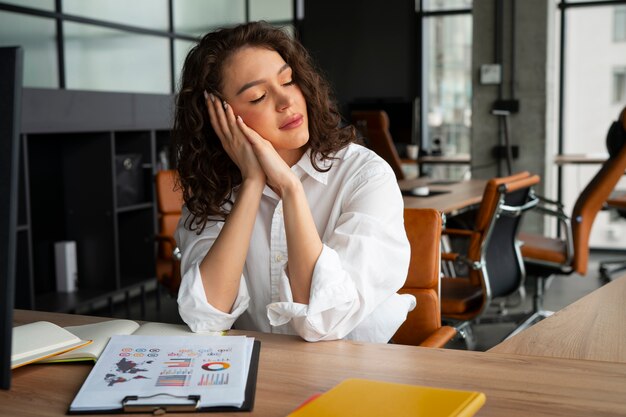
<point>70,189</point>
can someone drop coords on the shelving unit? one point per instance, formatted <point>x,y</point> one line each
<point>69,191</point>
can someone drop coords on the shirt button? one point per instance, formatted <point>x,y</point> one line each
<point>278,257</point>
<point>280,210</point>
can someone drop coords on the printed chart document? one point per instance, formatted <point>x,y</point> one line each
<point>208,371</point>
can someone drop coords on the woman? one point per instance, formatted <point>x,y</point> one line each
<point>288,226</point>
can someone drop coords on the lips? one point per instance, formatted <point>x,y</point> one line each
<point>292,122</point>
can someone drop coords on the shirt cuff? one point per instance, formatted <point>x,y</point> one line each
<point>331,289</point>
<point>196,311</point>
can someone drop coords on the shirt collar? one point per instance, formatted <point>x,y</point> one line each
<point>305,166</point>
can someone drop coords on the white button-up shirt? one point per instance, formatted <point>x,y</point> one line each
<point>358,212</point>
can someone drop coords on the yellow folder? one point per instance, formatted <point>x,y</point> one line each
<point>364,398</point>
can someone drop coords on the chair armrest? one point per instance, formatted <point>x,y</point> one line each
<point>169,239</point>
<point>439,337</point>
<point>456,257</point>
<point>559,213</point>
<point>449,256</point>
<point>458,232</point>
<point>545,201</point>
<point>166,239</point>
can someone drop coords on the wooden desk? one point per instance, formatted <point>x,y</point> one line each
<point>290,370</point>
<point>459,159</point>
<point>593,327</point>
<point>459,194</point>
<point>580,159</point>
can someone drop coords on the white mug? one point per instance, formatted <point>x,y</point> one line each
<point>412,151</point>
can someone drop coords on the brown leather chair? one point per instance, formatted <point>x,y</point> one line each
<point>545,256</point>
<point>169,205</point>
<point>423,325</point>
<point>615,140</point>
<point>374,125</point>
<point>493,261</point>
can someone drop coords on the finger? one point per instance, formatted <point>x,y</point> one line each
<point>221,118</point>
<point>230,118</point>
<point>210,99</point>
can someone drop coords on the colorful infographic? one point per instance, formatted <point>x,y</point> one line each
<point>178,368</point>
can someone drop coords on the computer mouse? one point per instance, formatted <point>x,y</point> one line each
<point>421,190</point>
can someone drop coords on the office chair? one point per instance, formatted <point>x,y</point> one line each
<point>423,325</point>
<point>493,262</point>
<point>374,125</point>
<point>169,205</point>
<point>615,139</point>
<point>545,256</point>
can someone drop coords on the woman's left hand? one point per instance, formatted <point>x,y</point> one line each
<point>278,172</point>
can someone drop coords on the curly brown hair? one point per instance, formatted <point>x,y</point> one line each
<point>207,175</point>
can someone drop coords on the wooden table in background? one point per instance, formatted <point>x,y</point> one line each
<point>458,194</point>
<point>592,328</point>
<point>580,159</point>
<point>291,370</point>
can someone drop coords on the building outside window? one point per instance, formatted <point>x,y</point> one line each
<point>619,24</point>
<point>619,85</point>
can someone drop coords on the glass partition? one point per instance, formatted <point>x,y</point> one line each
<point>98,58</point>
<point>36,36</point>
<point>197,17</point>
<point>151,14</point>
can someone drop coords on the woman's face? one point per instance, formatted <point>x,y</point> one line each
<point>258,85</point>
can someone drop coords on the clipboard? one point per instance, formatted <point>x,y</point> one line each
<point>187,403</point>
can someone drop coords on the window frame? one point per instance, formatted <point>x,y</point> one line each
<point>60,18</point>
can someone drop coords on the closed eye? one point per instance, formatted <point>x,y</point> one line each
<point>288,83</point>
<point>258,100</point>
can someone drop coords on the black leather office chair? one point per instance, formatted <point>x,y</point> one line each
<point>494,263</point>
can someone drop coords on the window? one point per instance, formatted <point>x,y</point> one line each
<point>619,23</point>
<point>594,92</point>
<point>619,85</point>
<point>116,45</point>
<point>446,81</point>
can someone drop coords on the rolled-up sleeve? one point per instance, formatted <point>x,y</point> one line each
<point>192,302</point>
<point>363,263</point>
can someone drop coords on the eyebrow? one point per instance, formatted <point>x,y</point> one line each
<point>257,82</point>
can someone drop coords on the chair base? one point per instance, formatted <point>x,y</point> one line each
<point>607,273</point>
<point>464,330</point>
<point>534,318</point>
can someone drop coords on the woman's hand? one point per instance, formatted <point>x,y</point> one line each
<point>234,141</point>
<point>279,175</point>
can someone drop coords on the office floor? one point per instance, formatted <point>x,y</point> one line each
<point>563,290</point>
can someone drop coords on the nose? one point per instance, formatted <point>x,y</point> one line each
<point>284,100</point>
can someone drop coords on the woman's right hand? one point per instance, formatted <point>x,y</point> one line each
<point>233,139</point>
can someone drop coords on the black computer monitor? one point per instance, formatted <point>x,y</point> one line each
<point>10,106</point>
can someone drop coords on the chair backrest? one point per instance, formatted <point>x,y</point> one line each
<point>592,198</point>
<point>169,206</point>
<point>374,125</point>
<point>496,226</point>
<point>423,229</point>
